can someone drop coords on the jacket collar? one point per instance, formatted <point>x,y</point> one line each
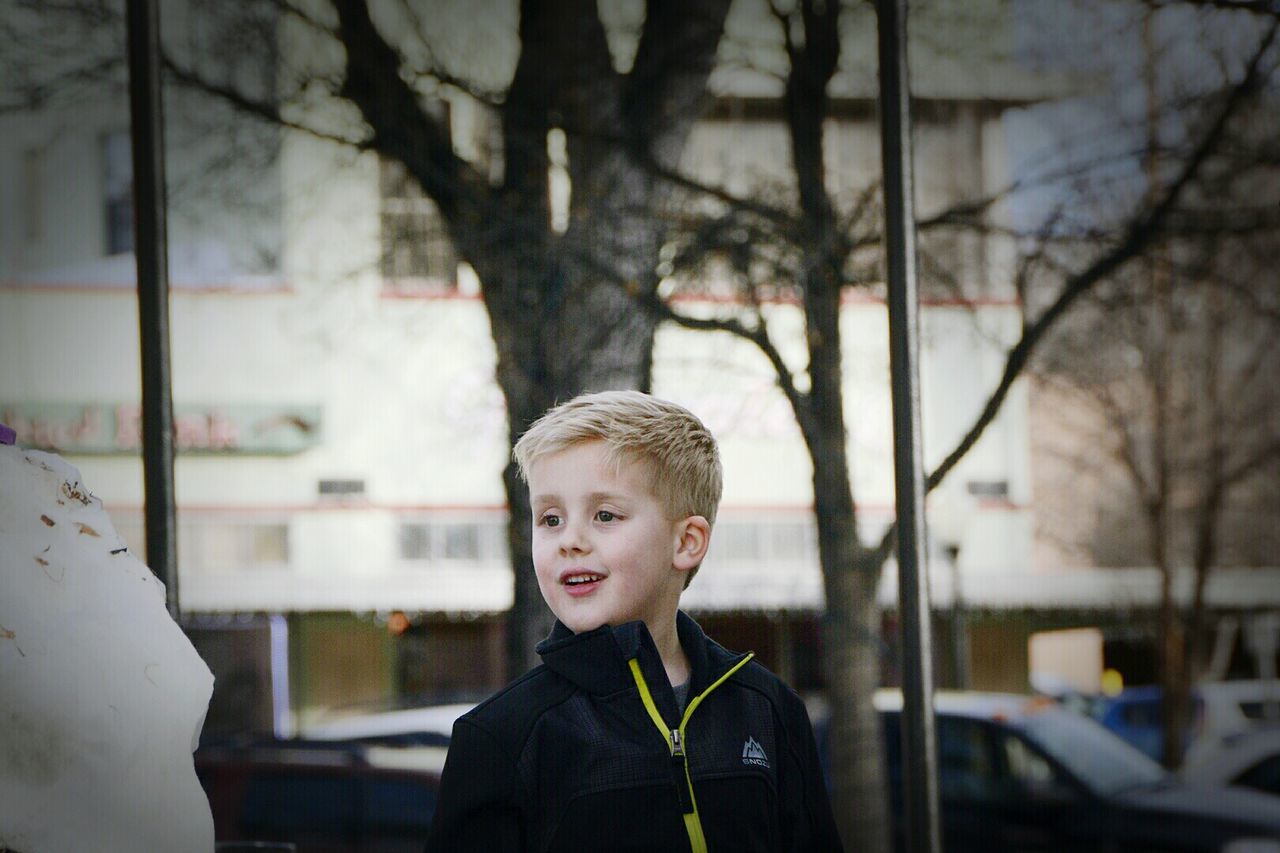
<point>596,661</point>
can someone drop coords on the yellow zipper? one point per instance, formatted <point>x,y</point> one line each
<point>675,740</point>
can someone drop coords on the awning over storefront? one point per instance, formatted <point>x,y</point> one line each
<point>481,589</point>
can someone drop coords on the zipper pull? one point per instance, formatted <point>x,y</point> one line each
<point>680,770</point>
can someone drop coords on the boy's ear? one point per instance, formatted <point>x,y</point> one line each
<point>693,535</point>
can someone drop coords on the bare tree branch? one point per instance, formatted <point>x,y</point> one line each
<point>1139,234</point>
<point>258,108</point>
<point>758,336</point>
<point>304,16</point>
<point>1260,7</point>
<point>677,45</point>
<point>401,128</point>
<point>781,217</point>
<point>1253,464</point>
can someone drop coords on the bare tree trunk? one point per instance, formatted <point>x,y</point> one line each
<point>561,321</point>
<point>851,630</point>
<point>1174,674</point>
<point>851,656</point>
<point>550,349</point>
<point>1214,481</point>
<point>1176,685</point>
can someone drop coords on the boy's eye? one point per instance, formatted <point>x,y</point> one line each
<point>550,521</point>
<point>605,515</point>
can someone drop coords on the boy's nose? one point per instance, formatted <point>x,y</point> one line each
<point>574,539</point>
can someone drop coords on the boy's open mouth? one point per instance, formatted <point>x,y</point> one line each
<point>581,583</point>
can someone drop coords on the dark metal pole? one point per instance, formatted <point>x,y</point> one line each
<point>959,623</point>
<point>919,745</point>
<point>151,252</point>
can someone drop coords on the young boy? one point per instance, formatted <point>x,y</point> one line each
<point>637,732</point>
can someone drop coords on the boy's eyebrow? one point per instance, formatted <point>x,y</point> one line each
<point>615,497</point>
<point>594,497</point>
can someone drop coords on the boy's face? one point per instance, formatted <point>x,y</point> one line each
<point>604,549</point>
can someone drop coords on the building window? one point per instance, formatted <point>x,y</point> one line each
<point>130,528</point>
<point>764,541</point>
<point>454,541</point>
<point>989,489</point>
<point>415,541</point>
<point>461,542</point>
<point>117,160</point>
<point>233,546</point>
<point>793,540</point>
<point>339,490</point>
<point>417,255</point>
<point>740,542</point>
<point>241,545</point>
<point>215,545</point>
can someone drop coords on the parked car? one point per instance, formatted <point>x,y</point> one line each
<point>1134,715</point>
<point>1025,774</point>
<point>432,725</point>
<point>1247,760</point>
<point>335,797</point>
<point>1219,709</point>
<point>426,726</point>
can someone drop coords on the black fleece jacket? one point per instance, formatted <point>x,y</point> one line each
<point>569,758</point>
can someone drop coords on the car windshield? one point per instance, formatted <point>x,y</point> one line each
<point>1100,760</point>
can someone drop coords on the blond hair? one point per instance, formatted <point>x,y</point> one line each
<point>679,451</point>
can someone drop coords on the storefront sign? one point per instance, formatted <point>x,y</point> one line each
<point>111,428</point>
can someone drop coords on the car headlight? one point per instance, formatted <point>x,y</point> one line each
<point>1251,845</point>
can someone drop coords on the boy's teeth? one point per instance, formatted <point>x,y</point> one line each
<point>582,579</point>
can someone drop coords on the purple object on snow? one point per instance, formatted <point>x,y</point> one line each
<point>7,435</point>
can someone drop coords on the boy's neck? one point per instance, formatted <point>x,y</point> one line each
<point>674,660</point>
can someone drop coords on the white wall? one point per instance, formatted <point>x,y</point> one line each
<point>409,406</point>
<point>405,385</point>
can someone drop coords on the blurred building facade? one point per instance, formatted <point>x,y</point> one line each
<point>341,438</point>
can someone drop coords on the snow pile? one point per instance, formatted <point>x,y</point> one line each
<point>102,697</point>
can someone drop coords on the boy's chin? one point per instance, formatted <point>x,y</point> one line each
<point>581,624</point>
